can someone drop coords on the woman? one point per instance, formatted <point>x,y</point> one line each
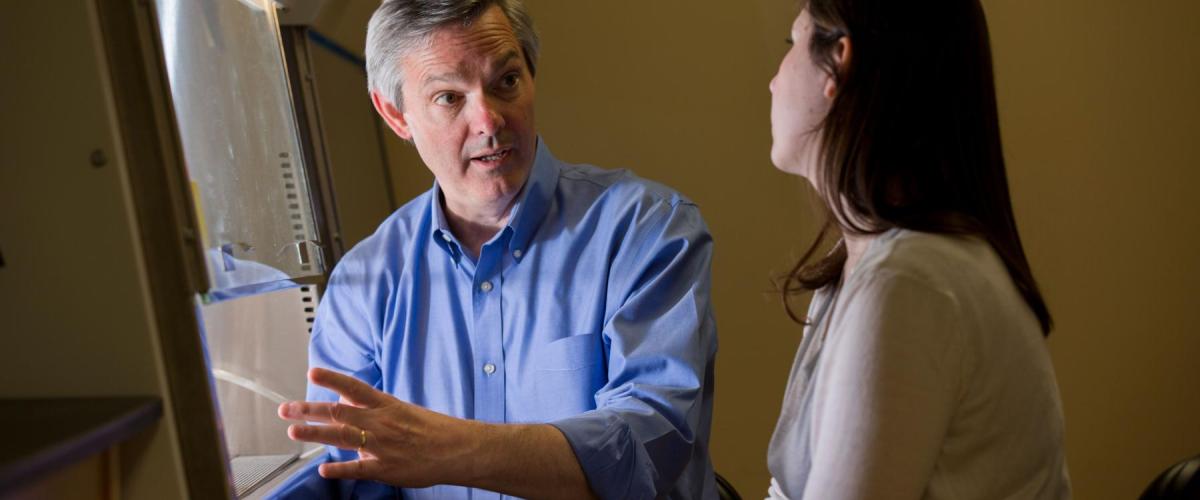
<point>923,372</point>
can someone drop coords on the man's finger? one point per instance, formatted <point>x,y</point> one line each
<point>326,413</point>
<point>352,469</point>
<point>343,400</point>
<point>350,388</point>
<point>344,436</point>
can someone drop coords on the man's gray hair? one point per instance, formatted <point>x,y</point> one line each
<point>402,25</point>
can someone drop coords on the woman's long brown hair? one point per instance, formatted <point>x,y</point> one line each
<point>912,139</point>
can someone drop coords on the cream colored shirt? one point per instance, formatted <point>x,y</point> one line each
<point>929,379</point>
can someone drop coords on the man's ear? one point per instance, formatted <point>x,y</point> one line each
<point>841,58</point>
<point>391,115</point>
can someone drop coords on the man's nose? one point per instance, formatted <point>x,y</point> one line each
<point>487,119</point>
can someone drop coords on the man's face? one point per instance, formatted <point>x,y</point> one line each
<point>468,108</point>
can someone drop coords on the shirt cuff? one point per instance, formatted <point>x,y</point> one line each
<point>615,464</point>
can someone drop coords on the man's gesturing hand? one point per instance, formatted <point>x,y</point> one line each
<point>405,445</point>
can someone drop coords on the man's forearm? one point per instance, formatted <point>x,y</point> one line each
<point>530,461</point>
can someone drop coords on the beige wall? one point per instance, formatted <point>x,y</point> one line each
<point>1100,115</point>
<point>677,91</point>
<point>352,146</point>
<point>76,318</point>
<point>346,24</point>
<point>1101,119</point>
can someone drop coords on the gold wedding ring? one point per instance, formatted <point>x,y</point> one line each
<point>362,442</point>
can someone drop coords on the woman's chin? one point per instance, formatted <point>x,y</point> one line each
<point>786,164</point>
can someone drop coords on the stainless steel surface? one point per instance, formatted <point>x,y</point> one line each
<point>311,454</point>
<point>234,110</point>
<point>251,471</point>
<point>258,347</point>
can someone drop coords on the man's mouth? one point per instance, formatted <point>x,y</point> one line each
<point>494,157</point>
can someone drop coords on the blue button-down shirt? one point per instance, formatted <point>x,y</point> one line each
<point>589,311</point>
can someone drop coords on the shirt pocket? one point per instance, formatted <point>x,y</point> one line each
<point>567,373</point>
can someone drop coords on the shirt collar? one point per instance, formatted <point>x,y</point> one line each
<point>441,229</point>
<point>527,212</point>
<point>534,202</point>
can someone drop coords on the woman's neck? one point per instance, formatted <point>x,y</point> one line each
<point>856,246</point>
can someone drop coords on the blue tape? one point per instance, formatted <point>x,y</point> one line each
<point>337,49</point>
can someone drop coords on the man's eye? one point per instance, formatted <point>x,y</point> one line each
<point>446,99</point>
<point>511,80</point>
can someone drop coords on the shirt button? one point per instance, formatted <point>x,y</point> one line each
<point>445,236</point>
<point>486,286</point>
<point>517,254</point>
<point>489,368</point>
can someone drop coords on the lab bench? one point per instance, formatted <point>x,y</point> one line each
<point>67,447</point>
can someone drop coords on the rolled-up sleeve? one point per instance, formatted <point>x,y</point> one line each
<point>653,414</point>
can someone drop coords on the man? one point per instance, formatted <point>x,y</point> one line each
<point>527,326</point>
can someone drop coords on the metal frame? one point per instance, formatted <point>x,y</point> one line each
<point>312,139</point>
<point>167,225</point>
<point>167,222</point>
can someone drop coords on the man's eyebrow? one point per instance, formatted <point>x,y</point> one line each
<point>505,59</point>
<point>456,77</point>
<point>451,77</point>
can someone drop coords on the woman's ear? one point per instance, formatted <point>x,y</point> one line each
<point>841,58</point>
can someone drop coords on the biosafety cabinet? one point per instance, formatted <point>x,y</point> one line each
<point>167,222</point>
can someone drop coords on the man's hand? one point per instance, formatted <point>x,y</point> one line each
<point>398,443</point>
<point>405,445</point>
